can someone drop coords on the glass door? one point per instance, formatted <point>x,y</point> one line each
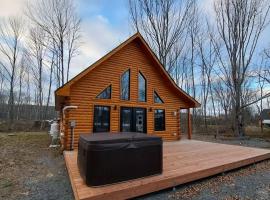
<point>126,119</point>
<point>140,120</point>
<point>133,119</point>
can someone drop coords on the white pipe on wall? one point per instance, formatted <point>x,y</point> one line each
<point>63,116</point>
<point>68,107</point>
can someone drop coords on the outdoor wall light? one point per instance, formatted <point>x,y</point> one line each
<point>115,107</point>
<point>174,113</point>
<point>150,109</point>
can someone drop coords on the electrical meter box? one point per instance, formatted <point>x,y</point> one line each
<point>72,124</point>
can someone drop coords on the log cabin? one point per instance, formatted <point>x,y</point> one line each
<point>127,90</point>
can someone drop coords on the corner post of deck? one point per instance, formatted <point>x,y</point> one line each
<point>189,125</point>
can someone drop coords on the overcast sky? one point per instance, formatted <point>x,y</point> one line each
<point>105,24</point>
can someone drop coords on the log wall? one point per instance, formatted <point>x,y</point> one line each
<point>134,57</point>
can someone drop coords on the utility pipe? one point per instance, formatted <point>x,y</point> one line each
<point>63,117</point>
<point>68,107</point>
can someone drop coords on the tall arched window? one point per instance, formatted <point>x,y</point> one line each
<point>125,85</point>
<point>142,87</point>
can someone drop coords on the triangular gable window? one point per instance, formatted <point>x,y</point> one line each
<point>106,93</point>
<point>157,98</point>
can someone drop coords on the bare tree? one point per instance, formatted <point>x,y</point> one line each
<point>21,80</point>
<point>2,92</point>
<point>163,23</point>
<point>61,22</point>
<point>223,94</point>
<point>262,81</point>
<point>239,24</point>
<point>50,84</point>
<point>73,39</point>
<point>193,31</point>
<point>37,53</point>
<point>11,31</point>
<point>208,59</point>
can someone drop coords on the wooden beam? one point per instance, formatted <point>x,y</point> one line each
<point>189,125</point>
<point>178,124</point>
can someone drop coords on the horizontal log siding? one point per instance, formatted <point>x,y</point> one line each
<point>83,93</point>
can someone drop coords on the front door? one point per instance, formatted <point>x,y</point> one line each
<point>133,119</point>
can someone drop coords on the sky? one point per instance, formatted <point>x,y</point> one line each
<point>105,24</point>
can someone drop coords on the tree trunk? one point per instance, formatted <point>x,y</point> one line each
<point>49,92</point>
<point>238,117</point>
<point>11,97</point>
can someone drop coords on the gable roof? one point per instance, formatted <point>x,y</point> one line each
<point>64,90</point>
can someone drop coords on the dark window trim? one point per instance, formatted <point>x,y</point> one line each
<point>164,119</point>
<point>155,93</point>
<point>94,130</point>
<point>140,72</point>
<point>103,91</point>
<point>129,71</point>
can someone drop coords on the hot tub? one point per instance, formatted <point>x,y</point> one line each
<point>106,158</point>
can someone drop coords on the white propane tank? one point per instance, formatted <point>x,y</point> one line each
<point>54,132</point>
<point>54,128</point>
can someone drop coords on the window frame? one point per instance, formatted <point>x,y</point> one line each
<point>103,91</point>
<point>155,93</point>
<point>129,74</point>
<point>140,73</point>
<point>164,119</point>
<point>109,121</point>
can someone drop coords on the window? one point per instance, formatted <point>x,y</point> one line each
<point>101,119</point>
<point>106,93</point>
<point>159,120</point>
<point>157,98</point>
<point>125,79</point>
<point>142,87</point>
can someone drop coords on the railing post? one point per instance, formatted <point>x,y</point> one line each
<point>189,125</point>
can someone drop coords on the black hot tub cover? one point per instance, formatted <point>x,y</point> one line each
<point>105,158</point>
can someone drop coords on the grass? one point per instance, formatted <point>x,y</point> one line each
<point>251,131</point>
<point>255,131</point>
<point>6,183</point>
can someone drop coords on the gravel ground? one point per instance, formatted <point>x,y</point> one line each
<point>249,142</point>
<point>30,170</point>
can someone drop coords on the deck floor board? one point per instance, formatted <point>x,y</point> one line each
<point>183,161</point>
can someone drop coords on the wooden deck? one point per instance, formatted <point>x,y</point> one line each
<point>184,161</point>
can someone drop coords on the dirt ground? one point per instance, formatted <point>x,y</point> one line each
<point>30,170</point>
